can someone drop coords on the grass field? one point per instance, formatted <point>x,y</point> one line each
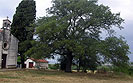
<point>45,76</point>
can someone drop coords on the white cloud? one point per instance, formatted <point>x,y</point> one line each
<point>123,6</point>
<point>8,8</point>
<point>41,6</point>
<point>0,22</point>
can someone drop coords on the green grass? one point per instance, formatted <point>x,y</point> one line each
<point>51,76</point>
<point>9,77</point>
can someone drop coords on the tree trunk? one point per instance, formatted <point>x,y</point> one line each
<point>69,62</point>
<point>63,65</point>
<point>79,64</point>
<point>22,61</point>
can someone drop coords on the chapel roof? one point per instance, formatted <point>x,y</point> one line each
<point>39,60</point>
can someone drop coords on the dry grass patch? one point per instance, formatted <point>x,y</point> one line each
<point>43,76</point>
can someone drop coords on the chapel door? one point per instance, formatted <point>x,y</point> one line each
<point>30,64</point>
<point>4,56</point>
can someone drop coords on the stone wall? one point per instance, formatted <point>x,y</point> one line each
<point>11,50</point>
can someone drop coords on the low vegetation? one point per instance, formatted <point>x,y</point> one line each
<point>52,76</point>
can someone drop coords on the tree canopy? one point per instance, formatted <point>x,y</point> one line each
<point>22,25</point>
<point>72,29</point>
<point>114,51</point>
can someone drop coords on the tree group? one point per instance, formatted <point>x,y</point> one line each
<point>72,29</point>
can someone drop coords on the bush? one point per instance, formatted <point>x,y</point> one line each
<point>124,70</point>
<point>104,69</point>
<point>130,70</point>
<point>54,66</point>
<point>74,67</point>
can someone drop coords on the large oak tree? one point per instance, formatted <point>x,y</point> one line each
<point>69,26</point>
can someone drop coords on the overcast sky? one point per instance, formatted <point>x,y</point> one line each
<point>125,7</point>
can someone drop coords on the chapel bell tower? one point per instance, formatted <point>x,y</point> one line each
<point>6,23</point>
<point>8,46</point>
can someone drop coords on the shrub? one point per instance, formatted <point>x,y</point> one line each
<point>104,69</point>
<point>130,70</point>
<point>54,66</point>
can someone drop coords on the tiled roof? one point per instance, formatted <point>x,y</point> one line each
<point>39,60</point>
<point>1,30</point>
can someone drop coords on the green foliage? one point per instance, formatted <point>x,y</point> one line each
<point>18,59</point>
<point>119,70</point>
<point>115,51</point>
<point>105,69</point>
<point>130,70</point>
<point>54,66</point>
<point>23,18</point>
<point>23,25</point>
<point>72,28</point>
<point>74,67</point>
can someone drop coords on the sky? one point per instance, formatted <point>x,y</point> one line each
<point>125,7</point>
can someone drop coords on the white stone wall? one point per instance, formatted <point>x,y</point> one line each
<point>12,51</point>
<point>42,65</point>
<point>1,37</point>
<point>0,53</point>
<point>27,63</point>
